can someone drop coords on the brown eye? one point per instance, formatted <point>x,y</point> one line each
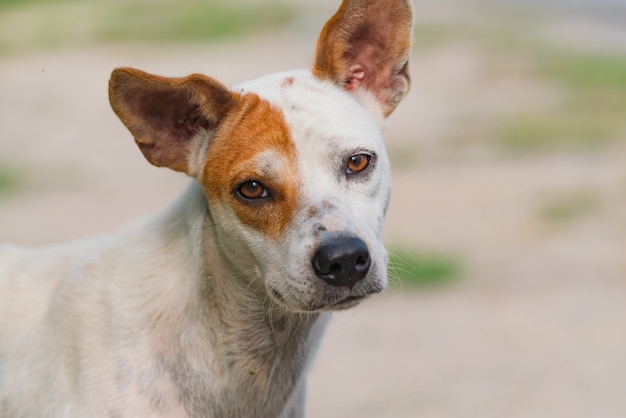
<point>252,189</point>
<point>358,163</point>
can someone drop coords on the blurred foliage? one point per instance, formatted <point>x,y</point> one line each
<point>414,268</point>
<point>563,129</point>
<point>591,112</point>
<point>4,4</point>
<point>9,180</point>
<point>590,70</point>
<point>566,208</point>
<point>32,24</point>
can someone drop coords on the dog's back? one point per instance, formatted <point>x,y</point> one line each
<point>48,306</point>
<point>28,281</point>
<point>67,311</point>
<point>65,318</point>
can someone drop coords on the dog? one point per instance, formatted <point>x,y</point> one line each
<point>214,306</point>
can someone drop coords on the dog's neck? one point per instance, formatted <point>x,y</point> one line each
<point>223,326</point>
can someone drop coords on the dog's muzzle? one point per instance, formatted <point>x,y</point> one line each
<point>342,261</point>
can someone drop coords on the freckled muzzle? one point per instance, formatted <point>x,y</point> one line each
<point>342,261</point>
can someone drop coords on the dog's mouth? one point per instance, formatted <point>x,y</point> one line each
<point>345,303</point>
<point>323,305</point>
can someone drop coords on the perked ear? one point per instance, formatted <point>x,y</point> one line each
<point>366,45</point>
<point>164,114</point>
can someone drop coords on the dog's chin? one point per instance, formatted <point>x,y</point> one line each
<point>345,303</point>
<point>323,304</point>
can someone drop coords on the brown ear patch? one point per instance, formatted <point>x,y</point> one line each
<point>164,114</point>
<point>366,44</point>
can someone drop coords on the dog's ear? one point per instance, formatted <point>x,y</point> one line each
<point>165,114</point>
<point>366,45</point>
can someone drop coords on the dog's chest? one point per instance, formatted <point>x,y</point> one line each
<point>255,368</point>
<point>267,370</point>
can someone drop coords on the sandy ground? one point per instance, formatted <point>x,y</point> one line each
<point>537,328</point>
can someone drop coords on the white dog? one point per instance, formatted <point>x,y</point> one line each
<point>213,307</point>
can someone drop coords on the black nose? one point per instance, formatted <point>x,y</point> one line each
<point>342,261</point>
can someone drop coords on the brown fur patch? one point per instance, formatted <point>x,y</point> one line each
<point>253,128</point>
<point>164,114</point>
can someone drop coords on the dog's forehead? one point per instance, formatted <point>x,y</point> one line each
<point>318,112</point>
<point>292,133</point>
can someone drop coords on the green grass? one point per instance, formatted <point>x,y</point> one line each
<point>9,180</point>
<point>567,128</point>
<point>417,269</point>
<point>589,112</point>
<point>49,23</point>
<point>585,70</point>
<point>6,4</point>
<point>191,19</point>
<point>592,112</point>
<point>567,208</point>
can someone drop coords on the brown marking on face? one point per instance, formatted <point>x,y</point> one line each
<point>254,128</point>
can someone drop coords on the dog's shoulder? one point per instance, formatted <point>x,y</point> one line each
<point>17,264</point>
<point>9,254</point>
<point>17,261</point>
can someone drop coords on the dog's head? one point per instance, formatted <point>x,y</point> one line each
<point>293,165</point>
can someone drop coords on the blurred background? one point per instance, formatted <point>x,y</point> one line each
<point>508,217</point>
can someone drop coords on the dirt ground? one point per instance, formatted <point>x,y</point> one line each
<point>536,328</point>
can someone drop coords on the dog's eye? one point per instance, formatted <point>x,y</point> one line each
<point>252,189</point>
<point>358,163</point>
